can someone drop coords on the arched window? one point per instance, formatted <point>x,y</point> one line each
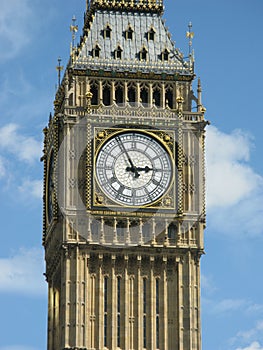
<point>157,97</point>
<point>169,98</point>
<point>96,51</point>
<point>165,55</point>
<point>129,33</point>
<point>151,34</point>
<point>131,94</point>
<point>95,94</point>
<point>118,53</point>
<point>119,94</point>
<point>70,99</point>
<point>144,95</point>
<point>106,95</point>
<point>143,54</point>
<point>107,32</point>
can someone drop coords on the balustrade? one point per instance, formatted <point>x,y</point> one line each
<point>132,231</point>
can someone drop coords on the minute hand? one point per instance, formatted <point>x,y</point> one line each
<point>133,169</point>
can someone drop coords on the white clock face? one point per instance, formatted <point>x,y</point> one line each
<point>133,168</point>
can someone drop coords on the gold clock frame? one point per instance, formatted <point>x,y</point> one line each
<point>167,138</point>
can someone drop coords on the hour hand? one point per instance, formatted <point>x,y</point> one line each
<point>137,169</point>
<point>146,169</point>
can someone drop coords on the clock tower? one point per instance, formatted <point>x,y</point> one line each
<point>124,191</point>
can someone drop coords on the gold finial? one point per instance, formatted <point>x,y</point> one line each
<point>88,98</point>
<point>59,68</point>
<point>190,35</point>
<point>73,28</point>
<point>180,101</point>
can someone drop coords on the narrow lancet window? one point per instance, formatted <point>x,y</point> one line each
<point>144,312</point>
<point>157,310</point>
<point>106,95</point>
<point>105,310</point>
<point>118,311</point>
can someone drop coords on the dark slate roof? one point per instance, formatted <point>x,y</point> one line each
<point>141,23</point>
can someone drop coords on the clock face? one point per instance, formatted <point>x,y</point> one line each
<point>133,168</point>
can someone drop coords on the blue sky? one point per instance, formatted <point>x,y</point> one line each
<point>229,56</point>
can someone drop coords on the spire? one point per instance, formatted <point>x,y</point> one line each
<point>199,95</point>
<point>73,28</point>
<point>190,36</point>
<point>59,68</point>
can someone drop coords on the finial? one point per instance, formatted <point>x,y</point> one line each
<point>59,68</point>
<point>180,101</point>
<point>73,28</point>
<point>190,35</point>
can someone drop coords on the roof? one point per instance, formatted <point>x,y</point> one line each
<point>106,32</point>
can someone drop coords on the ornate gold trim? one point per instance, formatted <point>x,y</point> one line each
<point>165,137</point>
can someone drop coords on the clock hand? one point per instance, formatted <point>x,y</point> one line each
<point>133,169</point>
<point>146,169</point>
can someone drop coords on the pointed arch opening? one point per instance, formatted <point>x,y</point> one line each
<point>131,94</point>
<point>157,96</point>
<point>143,54</point>
<point>106,95</point>
<point>107,32</point>
<point>151,34</point>
<point>129,33</point>
<point>169,98</point>
<point>119,94</point>
<point>118,53</point>
<point>165,55</point>
<point>144,95</point>
<point>95,93</point>
<point>96,51</point>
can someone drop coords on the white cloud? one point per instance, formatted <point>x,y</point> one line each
<point>15,32</point>
<point>230,178</point>
<point>234,189</point>
<point>32,188</point>
<point>224,306</point>
<point>253,346</point>
<point>248,337</point>
<point>23,272</point>
<point>230,305</point>
<point>207,284</point>
<point>227,305</point>
<point>25,148</point>
<point>2,167</point>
